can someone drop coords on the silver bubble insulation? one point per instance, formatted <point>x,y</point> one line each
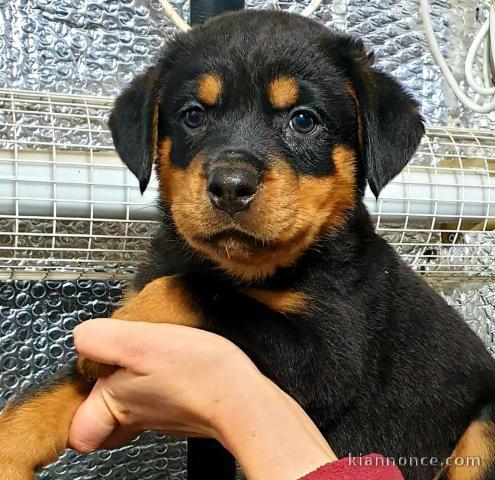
<point>96,47</point>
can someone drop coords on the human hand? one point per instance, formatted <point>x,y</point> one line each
<point>185,381</point>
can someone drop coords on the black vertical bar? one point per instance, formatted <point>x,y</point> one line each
<point>202,10</point>
<point>206,459</point>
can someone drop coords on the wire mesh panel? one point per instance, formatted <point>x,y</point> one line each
<point>70,209</point>
<point>440,212</point>
<point>64,196</point>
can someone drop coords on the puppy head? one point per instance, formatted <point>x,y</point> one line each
<point>264,128</point>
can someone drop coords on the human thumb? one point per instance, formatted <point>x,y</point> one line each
<point>94,420</point>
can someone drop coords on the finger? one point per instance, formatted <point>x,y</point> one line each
<point>113,342</point>
<point>93,422</point>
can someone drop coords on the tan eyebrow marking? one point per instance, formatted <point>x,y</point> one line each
<point>210,88</point>
<point>283,91</point>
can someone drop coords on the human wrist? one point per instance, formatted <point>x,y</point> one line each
<point>241,390</point>
<point>270,435</point>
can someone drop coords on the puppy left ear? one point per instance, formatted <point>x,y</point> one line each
<point>391,127</point>
<point>134,125</point>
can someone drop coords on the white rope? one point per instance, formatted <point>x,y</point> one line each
<point>182,25</point>
<point>485,35</point>
<point>174,16</point>
<point>311,8</point>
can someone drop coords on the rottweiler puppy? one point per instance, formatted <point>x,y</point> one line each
<point>264,129</point>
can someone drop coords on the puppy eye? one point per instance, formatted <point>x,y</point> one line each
<point>194,117</point>
<point>303,122</point>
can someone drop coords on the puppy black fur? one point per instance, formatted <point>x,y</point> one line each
<point>379,361</point>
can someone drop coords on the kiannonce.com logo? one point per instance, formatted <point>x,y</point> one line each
<point>379,461</point>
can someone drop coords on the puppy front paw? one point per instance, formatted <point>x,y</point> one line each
<point>91,370</point>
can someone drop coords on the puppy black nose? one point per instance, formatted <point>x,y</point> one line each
<point>231,188</point>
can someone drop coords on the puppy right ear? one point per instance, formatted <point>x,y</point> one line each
<point>391,126</point>
<point>134,125</point>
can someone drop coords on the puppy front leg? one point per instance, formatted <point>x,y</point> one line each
<point>35,428</point>
<point>161,301</point>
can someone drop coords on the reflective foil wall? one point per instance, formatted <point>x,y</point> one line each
<point>96,47</point>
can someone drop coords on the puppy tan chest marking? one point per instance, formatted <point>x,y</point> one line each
<point>282,301</point>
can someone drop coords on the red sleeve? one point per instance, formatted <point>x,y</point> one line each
<point>369,467</point>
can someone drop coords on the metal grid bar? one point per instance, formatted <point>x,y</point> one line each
<point>70,209</point>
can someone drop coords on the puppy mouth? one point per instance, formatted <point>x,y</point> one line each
<point>232,235</point>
